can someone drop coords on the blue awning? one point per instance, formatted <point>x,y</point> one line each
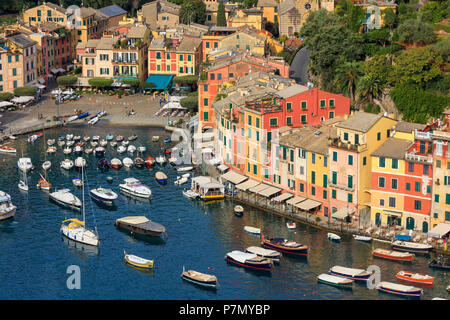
<point>402,237</point>
<point>162,81</point>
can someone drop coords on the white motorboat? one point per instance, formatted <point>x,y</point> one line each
<point>131,148</point>
<point>46,165</point>
<point>7,209</point>
<point>96,138</point>
<point>142,149</point>
<point>181,181</point>
<point>77,182</point>
<point>22,185</point>
<point>253,230</point>
<point>134,187</point>
<point>186,175</point>
<point>121,149</point>
<point>113,143</point>
<point>127,162</point>
<point>160,159</point>
<point>184,169</point>
<point>103,143</point>
<point>291,225</point>
<point>94,144</point>
<point>77,138</point>
<point>77,150</point>
<point>362,238</point>
<point>125,143</point>
<point>51,149</point>
<point>103,195</point>
<point>80,162</point>
<point>75,229</point>
<point>191,194</point>
<point>88,150</point>
<point>7,149</point>
<point>86,138</point>
<point>100,151</point>
<point>25,164</point>
<point>66,199</point>
<point>61,143</point>
<point>67,150</point>
<point>69,136</point>
<point>70,143</point>
<point>116,163</point>
<point>93,121</point>
<point>335,281</point>
<point>333,237</point>
<point>411,246</point>
<point>50,142</point>
<point>67,164</point>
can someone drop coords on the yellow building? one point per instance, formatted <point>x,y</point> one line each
<point>405,130</point>
<point>270,10</point>
<point>293,14</point>
<point>374,12</point>
<point>46,12</point>
<point>440,210</point>
<point>246,17</point>
<point>212,7</point>
<point>246,40</point>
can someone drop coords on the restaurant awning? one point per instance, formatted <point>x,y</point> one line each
<point>161,81</point>
<point>268,192</point>
<point>283,197</point>
<point>308,204</point>
<point>223,167</point>
<point>42,80</point>
<point>234,177</point>
<point>250,183</point>
<point>295,200</point>
<point>259,188</point>
<point>4,104</point>
<point>392,213</point>
<point>213,161</point>
<point>54,70</point>
<point>342,213</point>
<point>440,230</point>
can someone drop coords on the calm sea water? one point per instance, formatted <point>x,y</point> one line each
<point>34,257</point>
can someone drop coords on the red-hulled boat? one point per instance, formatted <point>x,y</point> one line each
<point>285,246</point>
<point>149,162</point>
<point>393,255</point>
<point>415,277</point>
<point>167,151</point>
<point>249,260</point>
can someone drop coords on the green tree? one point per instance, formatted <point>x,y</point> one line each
<point>6,96</point>
<point>369,86</point>
<point>193,11</point>
<point>25,91</point>
<point>389,18</point>
<point>417,66</point>
<point>66,80</point>
<point>434,11</point>
<point>100,82</point>
<point>330,44</point>
<point>442,48</point>
<point>379,67</point>
<point>347,76</point>
<point>221,18</point>
<point>350,14</point>
<point>415,32</point>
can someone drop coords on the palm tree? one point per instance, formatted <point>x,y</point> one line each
<point>369,86</point>
<point>347,76</point>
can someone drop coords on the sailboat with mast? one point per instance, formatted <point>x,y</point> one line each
<point>23,183</point>
<point>75,229</point>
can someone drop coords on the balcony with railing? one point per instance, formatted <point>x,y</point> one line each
<point>410,156</point>
<point>342,186</point>
<point>419,135</point>
<point>338,143</point>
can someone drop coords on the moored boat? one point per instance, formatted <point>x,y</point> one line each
<point>100,151</point>
<point>415,277</point>
<point>149,162</point>
<point>131,148</point>
<point>7,209</point>
<point>66,199</point>
<point>399,289</point>
<point>202,279</point>
<point>46,165</point>
<point>43,184</point>
<point>248,260</point>
<point>333,237</point>
<point>140,225</point>
<point>7,149</point>
<point>180,181</point>
<point>393,255</point>
<point>139,162</point>
<point>127,162</point>
<point>265,253</point>
<point>351,273</point>
<point>67,150</point>
<point>132,137</point>
<point>291,225</point>
<point>362,238</point>
<point>439,263</point>
<point>160,159</point>
<point>238,210</point>
<point>80,163</point>
<point>121,149</point>
<point>67,164</point>
<point>77,182</point>
<point>411,246</point>
<point>161,177</point>
<point>116,163</point>
<point>184,169</point>
<point>155,138</point>
<point>25,164</point>
<point>134,187</point>
<point>119,138</point>
<point>252,230</point>
<point>190,194</point>
<point>335,281</point>
<point>103,163</point>
<point>138,262</point>
<point>285,246</point>
<point>51,149</point>
<point>104,195</point>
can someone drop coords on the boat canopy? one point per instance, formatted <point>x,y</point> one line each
<point>441,230</point>
<point>74,223</point>
<point>133,220</point>
<point>234,177</point>
<point>241,256</point>
<point>402,237</point>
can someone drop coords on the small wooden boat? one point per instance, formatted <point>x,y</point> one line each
<point>109,137</point>
<point>23,185</point>
<point>113,143</point>
<point>103,143</point>
<point>139,162</point>
<point>77,182</point>
<point>265,253</point>
<point>362,238</point>
<point>140,225</point>
<point>155,138</point>
<point>285,246</point>
<point>51,149</point>
<point>67,164</point>
<point>180,181</point>
<point>393,255</point>
<point>411,246</point>
<point>415,277</point>
<point>249,260</point>
<point>46,165</point>
<point>43,184</point>
<point>127,162</point>
<point>116,163</point>
<point>202,279</point>
<point>100,151</point>
<point>121,149</point>
<point>86,138</point>
<point>77,150</point>
<point>51,142</point>
<point>109,179</point>
<point>132,137</point>
<point>439,263</point>
<point>149,162</point>
<point>96,138</point>
<point>88,150</point>
<point>77,138</point>
<point>131,148</point>
<point>70,143</point>
<point>191,194</point>
<point>335,281</point>
<point>161,177</point>
<point>125,143</point>
<point>350,273</point>
<point>61,143</point>
<point>333,237</point>
<point>399,289</point>
<point>252,230</point>
<point>141,149</point>
<point>291,225</point>
<point>69,136</point>
<point>67,150</point>
<point>119,138</point>
<point>138,261</point>
<point>238,210</point>
<point>184,169</point>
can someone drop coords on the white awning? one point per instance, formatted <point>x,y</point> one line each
<point>250,183</point>
<point>440,230</point>
<point>54,70</point>
<point>207,150</point>
<point>283,197</point>
<point>223,167</point>
<point>234,177</point>
<point>259,188</point>
<point>392,213</point>
<point>308,204</point>
<point>23,99</point>
<point>214,161</point>
<point>42,80</point>
<point>295,200</point>
<point>342,213</point>
<point>268,192</point>
<point>40,86</point>
<point>4,104</point>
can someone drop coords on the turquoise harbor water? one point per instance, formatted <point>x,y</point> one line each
<point>34,257</point>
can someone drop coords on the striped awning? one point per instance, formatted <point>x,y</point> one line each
<point>308,204</point>
<point>250,183</point>
<point>283,197</point>
<point>295,200</point>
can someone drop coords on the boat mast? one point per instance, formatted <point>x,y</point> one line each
<point>82,186</point>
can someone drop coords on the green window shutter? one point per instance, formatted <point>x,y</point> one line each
<point>333,194</point>
<point>350,181</point>
<point>350,198</point>
<point>313,177</point>
<point>334,177</point>
<point>334,156</point>
<point>325,181</point>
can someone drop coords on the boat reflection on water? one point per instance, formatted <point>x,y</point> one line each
<point>80,247</point>
<point>160,240</point>
<point>141,270</point>
<point>131,199</point>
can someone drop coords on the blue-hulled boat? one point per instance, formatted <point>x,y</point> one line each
<point>249,260</point>
<point>167,140</point>
<point>103,195</point>
<point>350,273</point>
<point>161,177</point>
<point>83,115</point>
<point>399,289</point>
<point>285,246</point>
<point>103,164</point>
<point>202,279</point>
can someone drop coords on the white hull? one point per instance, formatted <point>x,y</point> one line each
<point>81,235</point>
<point>134,192</point>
